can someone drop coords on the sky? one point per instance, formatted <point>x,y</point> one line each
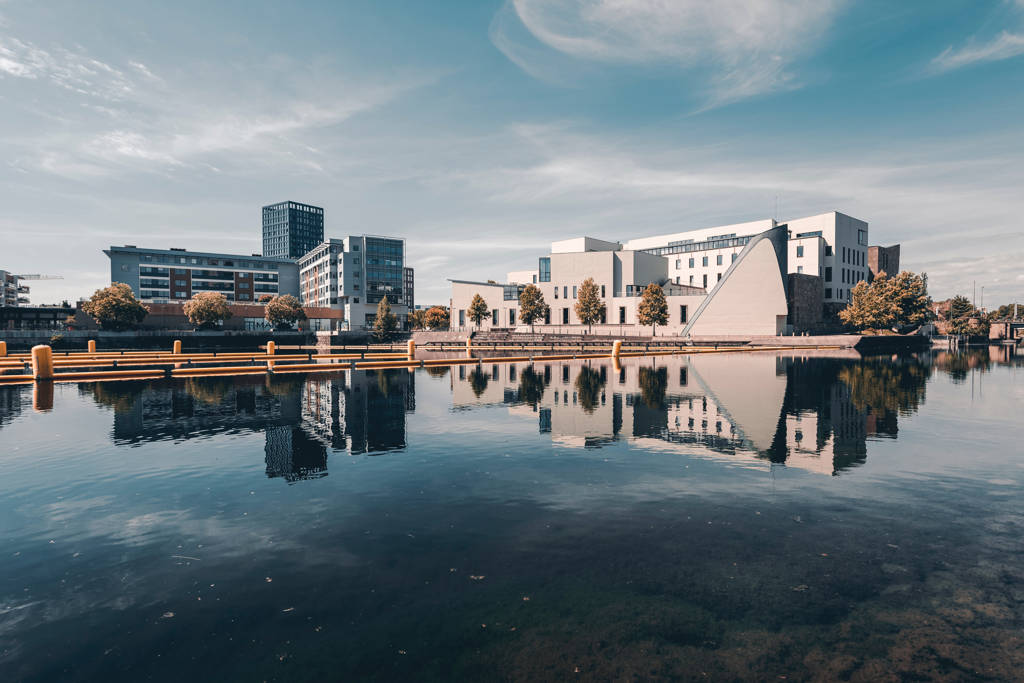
<point>483,130</point>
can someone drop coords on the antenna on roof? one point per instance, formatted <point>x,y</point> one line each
<point>775,216</point>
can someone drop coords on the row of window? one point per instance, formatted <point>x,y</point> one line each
<point>719,260</point>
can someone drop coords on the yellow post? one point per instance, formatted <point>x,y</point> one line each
<point>412,350</point>
<point>616,348</point>
<point>271,348</point>
<point>42,362</point>
<point>3,349</point>
<point>177,347</point>
<point>616,364</point>
<point>92,346</point>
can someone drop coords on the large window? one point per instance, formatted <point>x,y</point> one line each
<point>862,237</point>
<point>544,269</point>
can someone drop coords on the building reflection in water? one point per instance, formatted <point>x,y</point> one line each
<point>815,410</point>
<point>807,411</point>
<point>303,418</point>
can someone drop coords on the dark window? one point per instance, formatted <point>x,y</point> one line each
<point>799,251</point>
<point>495,317</point>
<point>565,316</point>
<point>682,314</point>
<point>705,280</point>
<point>828,273</point>
<point>622,315</point>
<point>718,260</point>
<point>704,261</point>
<point>544,269</point>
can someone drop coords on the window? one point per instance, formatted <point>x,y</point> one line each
<point>799,251</point>
<point>691,280</point>
<point>622,315</point>
<point>862,237</point>
<point>556,292</point>
<point>629,290</point>
<point>511,317</point>
<point>799,269</point>
<point>828,274</point>
<point>243,285</point>
<point>679,263</point>
<point>565,316</point>
<point>544,269</point>
<point>565,291</point>
<point>719,276</point>
<point>179,283</point>
<point>494,317</point>
<point>828,293</point>
<point>734,257</point>
<point>704,261</point>
<point>602,291</point>
<point>828,250</point>
<point>691,263</point>
<point>718,260</point>
<point>705,280</point>
<point>124,268</point>
<point>574,291</point>
<point>682,314</point>
<point>180,295</point>
<point>462,318</point>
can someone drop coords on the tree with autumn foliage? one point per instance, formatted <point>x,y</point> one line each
<point>283,311</point>
<point>437,318</point>
<point>531,305</point>
<point>115,307</point>
<point>206,310</point>
<point>653,308</point>
<point>888,303</point>
<point>478,309</point>
<point>589,307</point>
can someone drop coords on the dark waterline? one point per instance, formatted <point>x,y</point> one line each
<point>719,517</point>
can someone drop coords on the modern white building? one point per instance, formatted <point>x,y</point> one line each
<point>831,245</point>
<point>748,299</point>
<point>353,274</point>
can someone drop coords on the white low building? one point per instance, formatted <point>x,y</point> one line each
<point>748,299</point>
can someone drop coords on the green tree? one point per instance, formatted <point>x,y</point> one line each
<point>896,302</point>
<point>974,325</point>
<point>115,307</point>
<point>531,305</point>
<point>653,309</point>
<point>385,322</point>
<point>437,318</point>
<point>1009,312</point>
<point>283,311</point>
<point>478,309</point>
<point>589,307</point>
<point>206,309</point>
<point>960,307</point>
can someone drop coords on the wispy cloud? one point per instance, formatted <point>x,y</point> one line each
<point>1003,46</point>
<point>743,47</point>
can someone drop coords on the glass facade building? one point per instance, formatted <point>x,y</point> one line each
<point>291,229</point>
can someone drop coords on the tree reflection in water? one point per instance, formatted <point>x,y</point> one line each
<point>653,384</point>
<point>589,384</point>
<point>478,381</point>
<point>531,386</point>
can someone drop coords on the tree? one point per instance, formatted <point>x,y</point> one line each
<point>897,302</point>
<point>417,319</point>
<point>437,318</point>
<point>385,322</point>
<point>531,305</point>
<point>284,310</point>
<point>478,309</point>
<point>1009,312</point>
<point>653,309</point>
<point>653,385</point>
<point>206,309</point>
<point>960,307</point>
<point>973,326</point>
<point>531,386</point>
<point>589,307</point>
<point>115,307</point>
<point>477,382</point>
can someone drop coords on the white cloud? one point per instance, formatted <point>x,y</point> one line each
<point>745,47</point>
<point>1003,46</point>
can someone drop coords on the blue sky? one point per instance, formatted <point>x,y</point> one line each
<point>481,131</point>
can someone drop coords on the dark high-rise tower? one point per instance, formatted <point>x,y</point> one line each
<point>291,229</point>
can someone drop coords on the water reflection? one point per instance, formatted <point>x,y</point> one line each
<point>815,413</point>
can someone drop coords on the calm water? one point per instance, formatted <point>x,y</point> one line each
<point>735,516</point>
